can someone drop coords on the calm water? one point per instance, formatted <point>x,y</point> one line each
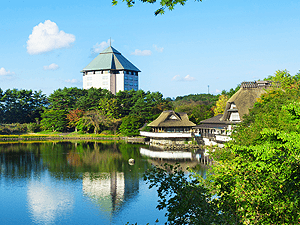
<point>76,183</point>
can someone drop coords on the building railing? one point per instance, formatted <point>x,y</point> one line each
<point>166,134</point>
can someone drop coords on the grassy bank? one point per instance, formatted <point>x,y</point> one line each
<point>56,135</point>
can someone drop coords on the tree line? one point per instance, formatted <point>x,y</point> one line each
<point>97,110</point>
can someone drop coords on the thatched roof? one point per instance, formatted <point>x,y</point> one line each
<point>172,119</point>
<point>244,99</point>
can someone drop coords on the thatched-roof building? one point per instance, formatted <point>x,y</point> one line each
<point>217,129</point>
<point>243,100</point>
<point>170,121</point>
<point>170,128</point>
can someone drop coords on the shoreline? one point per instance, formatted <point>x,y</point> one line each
<point>39,137</point>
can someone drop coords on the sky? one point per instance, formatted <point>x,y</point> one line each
<point>201,47</point>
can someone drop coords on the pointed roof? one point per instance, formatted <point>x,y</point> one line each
<point>172,119</point>
<point>110,59</point>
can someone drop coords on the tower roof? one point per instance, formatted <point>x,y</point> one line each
<point>110,59</point>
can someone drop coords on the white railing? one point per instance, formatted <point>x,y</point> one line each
<point>166,134</point>
<point>166,154</point>
<point>223,138</point>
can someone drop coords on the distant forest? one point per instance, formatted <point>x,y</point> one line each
<point>97,110</point>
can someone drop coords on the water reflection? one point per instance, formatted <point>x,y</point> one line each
<point>109,191</point>
<point>47,202</point>
<point>187,159</point>
<point>56,178</point>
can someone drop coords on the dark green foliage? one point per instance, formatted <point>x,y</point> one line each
<point>186,199</point>
<point>91,98</point>
<point>54,120</point>
<point>21,106</point>
<point>130,125</point>
<point>257,175</point>
<point>207,99</point>
<point>198,107</point>
<point>15,128</point>
<point>196,112</point>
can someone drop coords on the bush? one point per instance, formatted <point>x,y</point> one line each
<point>33,127</point>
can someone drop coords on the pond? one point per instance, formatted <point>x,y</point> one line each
<point>77,183</point>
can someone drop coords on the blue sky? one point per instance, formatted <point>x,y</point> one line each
<point>45,44</point>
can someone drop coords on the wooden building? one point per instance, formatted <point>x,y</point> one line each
<point>170,128</point>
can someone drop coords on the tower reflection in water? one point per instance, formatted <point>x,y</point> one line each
<point>110,191</point>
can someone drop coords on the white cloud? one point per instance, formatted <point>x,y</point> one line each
<point>97,48</point>
<point>52,66</point>
<point>218,91</point>
<point>73,81</point>
<point>158,49</point>
<point>175,77</point>
<point>46,37</point>
<point>4,72</point>
<point>186,78</point>
<point>189,78</point>
<point>141,52</point>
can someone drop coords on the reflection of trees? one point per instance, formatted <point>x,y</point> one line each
<point>19,160</point>
<point>108,179</point>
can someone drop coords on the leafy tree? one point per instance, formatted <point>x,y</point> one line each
<point>73,118</point>
<point>65,99</point>
<point>205,99</point>
<point>260,184</point>
<point>148,105</point>
<point>196,112</point>
<point>21,106</point>
<point>186,199</point>
<point>90,100</point>
<point>220,105</point>
<point>54,120</point>
<point>92,119</point>
<point>169,4</point>
<point>130,125</point>
<point>109,107</point>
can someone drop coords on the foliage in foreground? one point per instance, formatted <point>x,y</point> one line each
<point>169,4</point>
<point>186,199</point>
<point>256,179</point>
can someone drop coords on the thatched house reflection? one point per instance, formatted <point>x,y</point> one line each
<point>170,128</point>
<point>217,130</point>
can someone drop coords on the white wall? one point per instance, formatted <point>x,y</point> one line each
<point>96,80</point>
<point>119,82</point>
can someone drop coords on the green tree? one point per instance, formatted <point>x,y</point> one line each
<point>196,112</point>
<point>109,107</point>
<point>90,100</point>
<point>54,120</point>
<point>130,125</point>
<point>66,99</point>
<point>165,4</point>
<point>21,106</point>
<point>187,201</point>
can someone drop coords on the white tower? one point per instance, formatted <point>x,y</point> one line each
<point>112,71</point>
